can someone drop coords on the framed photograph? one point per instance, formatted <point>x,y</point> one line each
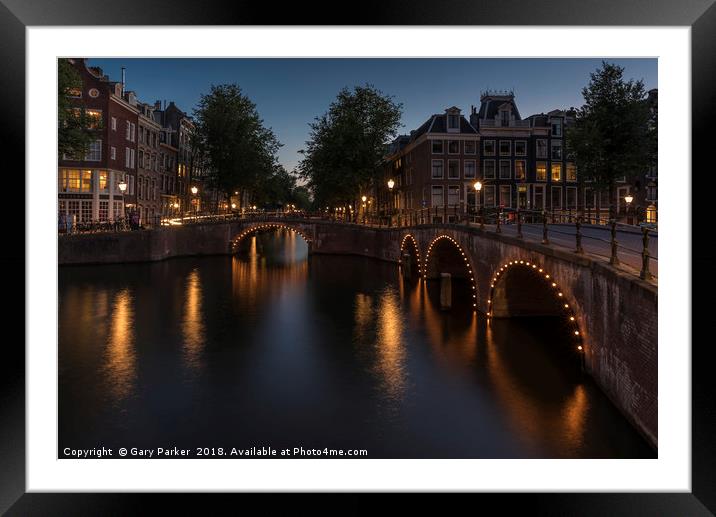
<point>421,258</point>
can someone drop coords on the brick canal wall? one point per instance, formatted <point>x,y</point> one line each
<point>615,312</point>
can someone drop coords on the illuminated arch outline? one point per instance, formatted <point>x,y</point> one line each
<point>236,240</point>
<point>468,265</point>
<point>415,246</point>
<point>542,274</point>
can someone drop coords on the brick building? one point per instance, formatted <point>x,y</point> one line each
<point>88,185</point>
<point>149,177</point>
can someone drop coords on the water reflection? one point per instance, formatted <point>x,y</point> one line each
<point>193,321</point>
<point>120,360</point>
<point>390,346</point>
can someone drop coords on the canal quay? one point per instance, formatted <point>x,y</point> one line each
<point>410,339</point>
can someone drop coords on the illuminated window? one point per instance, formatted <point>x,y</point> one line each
<point>520,166</point>
<point>556,172</point>
<point>651,214</point>
<point>571,172</point>
<point>103,180</point>
<point>75,93</point>
<point>541,171</point>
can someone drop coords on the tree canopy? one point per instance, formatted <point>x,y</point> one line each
<point>240,152</point>
<point>347,144</point>
<point>614,134</point>
<point>75,128</point>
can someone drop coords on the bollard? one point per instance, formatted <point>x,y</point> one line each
<point>545,240</point>
<point>445,291</point>
<point>578,224</point>
<point>645,273</point>
<point>614,260</point>
<point>406,265</point>
<point>519,224</point>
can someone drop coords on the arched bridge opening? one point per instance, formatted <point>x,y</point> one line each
<point>235,243</point>
<point>526,291</point>
<point>446,259</point>
<point>410,266</point>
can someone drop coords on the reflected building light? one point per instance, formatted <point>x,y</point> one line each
<point>193,321</point>
<point>390,345</point>
<point>120,363</point>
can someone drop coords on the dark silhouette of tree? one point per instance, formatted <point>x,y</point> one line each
<point>75,128</point>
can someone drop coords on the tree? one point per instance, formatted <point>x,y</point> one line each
<point>346,145</point>
<point>239,151</point>
<point>75,128</point>
<point>275,190</point>
<point>612,136</point>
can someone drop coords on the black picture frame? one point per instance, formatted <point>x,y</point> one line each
<point>700,15</point>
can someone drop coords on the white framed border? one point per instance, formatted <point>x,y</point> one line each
<point>670,472</point>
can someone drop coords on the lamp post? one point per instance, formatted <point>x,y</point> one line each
<point>628,198</point>
<point>122,187</point>
<point>364,199</point>
<point>391,184</point>
<point>478,188</point>
<point>194,191</point>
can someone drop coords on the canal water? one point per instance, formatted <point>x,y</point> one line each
<point>271,348</point>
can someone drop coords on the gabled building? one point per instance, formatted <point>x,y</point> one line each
<point>88,185</point>
<point>435,166</point>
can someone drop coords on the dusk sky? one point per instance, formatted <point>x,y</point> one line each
<point>290,93</point>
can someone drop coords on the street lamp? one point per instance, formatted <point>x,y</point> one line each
<point>628,198</point>
<point>478,188</point>
<point>194,191</point>
<point>122,187</point>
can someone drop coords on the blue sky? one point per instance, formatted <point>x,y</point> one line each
<point>290,93</point>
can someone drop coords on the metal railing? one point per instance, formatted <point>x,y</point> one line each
<point>553,228</point>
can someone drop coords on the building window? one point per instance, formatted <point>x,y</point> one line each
<point>505,170</point>
<point>95,118</point>
<point>437,196</point>
<point>73,209</point>
<point>453,146</point>
<point>126,156</point>
<point>556,149</point>
<point>556,127</point>
<point>571,200</point>
<point>556,172</point>
<point>113,153</point>
<point>470,171</point>
<point>114,123</point>
<point>437,146</point>
<point>505,147</point>
<point>94,153</point>
<point>74,180</point>
<point>453,121</point>
<point>103,181</point>
<point>453,169</point>
<point>521,148</point>
<point>541,148</point>
<point>541,172</point>
<point>75,93</point>
<point>103,210</point>
<point>128,129</point>
<point>651,193</point>
<point>651,214</point>
<point>489,195</point>
<point>86,215</point>
<point>589,198</point>
<point>538,197</point>
<point>139,187</point>
<point>489,167</point>
<point>470,147</point>
<point>556,198</point>
<point>142,163</point>
<point>504,118</point>
<point>488,147</point>
<point>453,195</point>
<point>571,172</point>
<point>437,169</point>
<point>505,196</point>
<point>520,167</point>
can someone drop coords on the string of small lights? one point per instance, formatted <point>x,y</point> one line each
<point>253,229</point>
<point>415,246</point>
<point>569,314</point>
<point>468,265</point>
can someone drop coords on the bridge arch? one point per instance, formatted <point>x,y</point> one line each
<point>525,288</point>
<point>234,244</point>
<point>410,244</point>
<point>466,265</point>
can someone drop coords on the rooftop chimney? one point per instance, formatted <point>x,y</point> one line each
<point>123,80</point>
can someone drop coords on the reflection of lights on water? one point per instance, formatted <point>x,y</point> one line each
<point>120,365</point>
<point>390,345</point>
<point>193,321</point>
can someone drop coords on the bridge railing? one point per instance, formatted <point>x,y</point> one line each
<point>523,223</point>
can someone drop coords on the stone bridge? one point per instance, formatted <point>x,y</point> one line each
<point>611,314</point>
